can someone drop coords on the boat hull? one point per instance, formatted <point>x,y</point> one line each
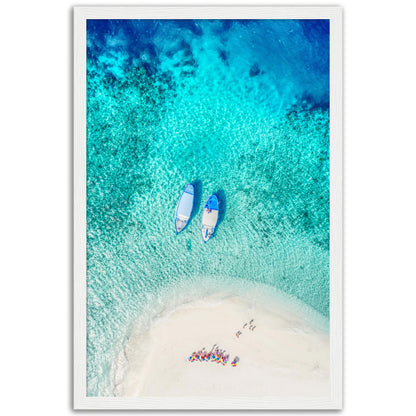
<point>184,208</point>
<point>209,218</point>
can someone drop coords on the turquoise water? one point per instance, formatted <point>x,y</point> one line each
<point>240,108</point>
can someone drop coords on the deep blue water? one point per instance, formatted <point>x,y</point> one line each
<point>240,107</point>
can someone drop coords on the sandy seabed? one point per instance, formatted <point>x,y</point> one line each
<point>286,355</point>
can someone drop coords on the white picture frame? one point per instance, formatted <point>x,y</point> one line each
<point>334,14</point>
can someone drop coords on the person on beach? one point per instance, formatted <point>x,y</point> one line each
<point>211,353</point>
<point>235,361</point>
<point>224,360</point>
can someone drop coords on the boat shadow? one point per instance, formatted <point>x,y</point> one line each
<point>222,207</point>
<point>197,197</point>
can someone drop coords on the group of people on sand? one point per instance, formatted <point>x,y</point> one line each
<point>250,328</point>
<point>216,355</point>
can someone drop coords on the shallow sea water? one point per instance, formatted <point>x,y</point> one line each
<point>239,108</point>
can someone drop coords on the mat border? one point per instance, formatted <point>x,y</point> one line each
<point>334,14</point>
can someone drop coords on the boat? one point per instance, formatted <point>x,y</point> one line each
<point>209,218</point>
<point>184,208</point>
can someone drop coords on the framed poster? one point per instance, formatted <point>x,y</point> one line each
<point>208,207</point>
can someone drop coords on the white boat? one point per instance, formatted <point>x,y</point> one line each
<point>209,218</point>
<point>184,208</point>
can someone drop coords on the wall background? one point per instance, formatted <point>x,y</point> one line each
<point>36,189</point>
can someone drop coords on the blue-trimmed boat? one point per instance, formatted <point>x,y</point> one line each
<point>184,208</point>
<point>209,218</point>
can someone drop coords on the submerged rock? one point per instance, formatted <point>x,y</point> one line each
<point>254,70</point>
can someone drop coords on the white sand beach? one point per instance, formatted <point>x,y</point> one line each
<point>285,355</point>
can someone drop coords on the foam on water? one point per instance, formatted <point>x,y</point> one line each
<point>241,109</point>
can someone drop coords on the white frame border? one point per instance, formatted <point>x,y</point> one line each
<point>334,14</point>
